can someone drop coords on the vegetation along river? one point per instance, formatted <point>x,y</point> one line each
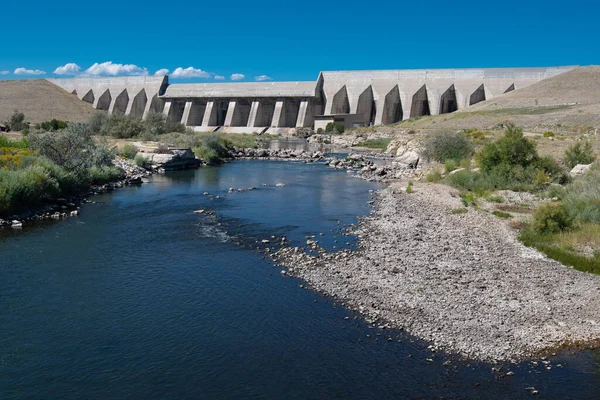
<point>140,297</point>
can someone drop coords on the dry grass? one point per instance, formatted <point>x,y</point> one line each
<point>41,101</point>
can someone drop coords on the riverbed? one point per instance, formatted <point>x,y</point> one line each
<point>140,297</point>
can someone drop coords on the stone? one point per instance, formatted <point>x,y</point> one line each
<point>280,185</point>
<point>409,159</point>
<point>580,169</point>
<point>16,224</point>
<point>456,170</point>
<point>199,212</point>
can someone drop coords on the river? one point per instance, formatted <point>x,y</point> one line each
<point>140,297</point>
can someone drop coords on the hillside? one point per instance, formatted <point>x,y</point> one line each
<point>41,101</point>
<point>569,102</point>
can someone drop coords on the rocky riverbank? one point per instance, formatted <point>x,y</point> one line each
<point>461,281</point>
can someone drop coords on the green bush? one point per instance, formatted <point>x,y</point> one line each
<point>24,187</point>
<point>17,121</point>
<point>548,134</point>
<point>329,127</point>
<point>320,131</point>
<point>433,177</point>
<point>128,151</point>
<point>550,218</point>
<point>339,128</point>
<point>213,150</point>
<point>450,165</point>
<point>17,144</point>
<point>511,150</point>
<point>582,197</point>
<point>447,146</point>
<point>141,161</point>
<point>121,126</point>
<point>105,174</point>
<point>53,125</point>
<point>579,153</point>
<point>501,214</point>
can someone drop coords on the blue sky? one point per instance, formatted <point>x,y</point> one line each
<point>292,40</point>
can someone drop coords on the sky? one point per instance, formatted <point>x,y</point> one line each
<point>206,41</point>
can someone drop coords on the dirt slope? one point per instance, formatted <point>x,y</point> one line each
<point>567,103</point>
<point>41,101</point>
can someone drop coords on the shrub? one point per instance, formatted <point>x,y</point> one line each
<point>329,127</point>
<point>141,161</point>
<point>582,198</point>
<point>548,134</point>
<point>579,154</point>
<point>447,146</point>
<point>501,214</point>
<point>213,149</point>
<point>128,151</point>
<point>320,131</point>
<point>433,177</point>
<point>17,144</point>
<point>26,186</point>
<point>550,218</point>
<point>72,149</point>
<point>339,128</point>
<point>101,175</point>
<point>17,121</point>
<point>512,149</point>
<point>121,126</point>
<point>96,122</point>
<point>450,165</point>
<point>53,125</point>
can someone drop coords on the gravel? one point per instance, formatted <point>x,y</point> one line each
<point>461,281</point>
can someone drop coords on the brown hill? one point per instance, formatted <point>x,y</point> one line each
<point>41,101</point>
<point>569,102</point>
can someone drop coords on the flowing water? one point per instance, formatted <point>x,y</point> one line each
<point>140,298</point>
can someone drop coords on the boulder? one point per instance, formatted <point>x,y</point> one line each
<point>409,159</point>
<point>580,169</point>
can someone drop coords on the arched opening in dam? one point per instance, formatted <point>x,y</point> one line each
<point>196,115</point>
<point>340,103</point>
<point>176,111</point>
<point>121,103</point>
<point>392,107</point>
<point>478,95</point>
<point>89,97</point>
<point>420,103</point>
<point>218,112</point>
<point>510,88</point>
<point>366,106</point>
<point>104,101</point>
<point>74,92</point>
<point>241,112</point>
<point>289,113</point>
<point>139,104</point>
<point>448,102</point>
<point>264,114</point>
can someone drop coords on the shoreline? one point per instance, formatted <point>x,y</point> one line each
<point>462,282</point>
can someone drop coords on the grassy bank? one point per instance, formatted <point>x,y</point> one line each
<point>48,164</point>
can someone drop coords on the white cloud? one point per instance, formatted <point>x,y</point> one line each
<point>262,78</point>
<point>219,77</point>
<point>67,69</point>
<point>25,71</point>
<point>108,68</point>
<point>237,77</point>
<point>190,72</point>
<point>4,72</point>
<point>161,72</point>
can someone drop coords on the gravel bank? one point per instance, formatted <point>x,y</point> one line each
<point>462,281</point>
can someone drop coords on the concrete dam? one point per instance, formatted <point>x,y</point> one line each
<point>353,98</point>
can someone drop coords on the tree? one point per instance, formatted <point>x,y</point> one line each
<point>579,154</point>
<point>17,121</point>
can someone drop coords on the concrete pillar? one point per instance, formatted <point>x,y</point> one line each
<point>207,120</point>
<point>129,106</point>
<point>167,108</point>
<point>379,104</point>
<point>230,111</point>
<point>147,108</point>
<point>434,102</point>
<point>186,112</point>
<point>111,108</point>
<point>303,116</point>
<point>253,114</point>
<point>277,113</point>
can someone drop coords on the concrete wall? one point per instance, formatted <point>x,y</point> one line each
<point>374,97</point>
